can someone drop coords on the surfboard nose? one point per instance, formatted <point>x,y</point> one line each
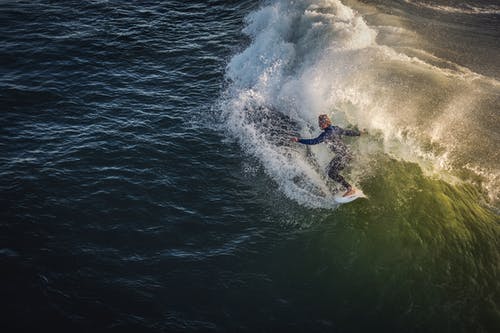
<point>340,198</point>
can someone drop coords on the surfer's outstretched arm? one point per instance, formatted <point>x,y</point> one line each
<point>349,132</point>
<point>314,141</point>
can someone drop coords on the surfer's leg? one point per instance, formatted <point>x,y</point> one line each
<point>338,178</point>
<point>334,167</point>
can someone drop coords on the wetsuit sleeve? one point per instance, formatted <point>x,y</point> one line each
<point>348,132</point>
<point>314,141</point>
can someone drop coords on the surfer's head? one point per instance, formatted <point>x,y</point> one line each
<point>324,121</point>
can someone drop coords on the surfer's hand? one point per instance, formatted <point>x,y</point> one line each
<point>363,131</point>
<point>294,139</point>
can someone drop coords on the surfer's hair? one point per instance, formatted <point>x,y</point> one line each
<point>324,121</point>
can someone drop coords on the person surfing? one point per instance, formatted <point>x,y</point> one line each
<point>332,135</point>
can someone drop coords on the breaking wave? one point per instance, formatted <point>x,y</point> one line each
<point>305,58</point>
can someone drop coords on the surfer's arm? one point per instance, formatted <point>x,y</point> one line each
<point>349,132</point>
<point>314,141</point>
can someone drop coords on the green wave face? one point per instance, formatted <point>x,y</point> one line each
<point>419,250</point>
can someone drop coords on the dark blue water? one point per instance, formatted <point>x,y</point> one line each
<point>129,204</point>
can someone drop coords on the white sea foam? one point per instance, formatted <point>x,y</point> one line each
<point>311,57</point>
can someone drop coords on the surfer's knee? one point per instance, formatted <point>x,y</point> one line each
<point>333,174</point>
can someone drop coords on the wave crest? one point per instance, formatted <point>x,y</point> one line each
<point>311,57</point>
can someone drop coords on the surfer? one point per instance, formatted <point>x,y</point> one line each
<point>333,136</point>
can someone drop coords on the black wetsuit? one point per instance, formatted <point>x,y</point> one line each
<point>333,136</point>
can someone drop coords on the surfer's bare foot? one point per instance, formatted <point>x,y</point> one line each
<point>349,192</point>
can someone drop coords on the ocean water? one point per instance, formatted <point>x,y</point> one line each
<point>149,184</point>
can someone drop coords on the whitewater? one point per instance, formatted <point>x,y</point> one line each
<point>305,58</point>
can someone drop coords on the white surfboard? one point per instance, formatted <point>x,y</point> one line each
<point>339,197</point>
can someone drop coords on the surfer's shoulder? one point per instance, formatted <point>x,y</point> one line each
<point>332,129</point>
